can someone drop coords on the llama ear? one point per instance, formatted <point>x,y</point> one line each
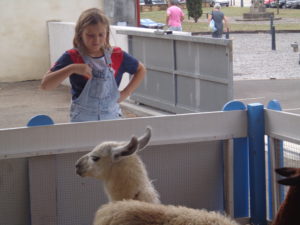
<point>144,139</point>
<point>286,171</point>
<point>124,150</point>
<point>292,181</point>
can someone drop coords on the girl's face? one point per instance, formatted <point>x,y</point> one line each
<point>94,37</point>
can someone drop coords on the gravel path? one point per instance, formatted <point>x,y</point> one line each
<point>253,57</point>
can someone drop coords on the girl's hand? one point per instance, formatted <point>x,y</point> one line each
<point>82,69</point>
<point>52,79</point>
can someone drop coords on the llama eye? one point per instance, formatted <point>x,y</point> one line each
<point>95,158</point>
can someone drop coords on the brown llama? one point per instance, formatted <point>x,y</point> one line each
<point>289,211</point>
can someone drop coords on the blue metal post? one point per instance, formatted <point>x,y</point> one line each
<point>274,105</point>
<point>240,168</point>
<point>273,38</point>
<point>272,31</point>
<point>256,133</point>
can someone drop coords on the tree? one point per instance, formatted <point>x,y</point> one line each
<point>194,8</point>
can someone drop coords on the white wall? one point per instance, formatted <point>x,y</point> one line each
<point>60,38</point>
<point>24,45</point>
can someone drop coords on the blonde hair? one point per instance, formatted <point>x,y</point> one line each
<point>88,17</point>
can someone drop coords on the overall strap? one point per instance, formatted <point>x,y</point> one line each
<point>113,57</point>
<point>116,59</point>
<point>75,56</point>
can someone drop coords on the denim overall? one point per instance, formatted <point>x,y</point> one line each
<point>99,98</point>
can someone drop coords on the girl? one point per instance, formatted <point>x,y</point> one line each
<point>95,70</point>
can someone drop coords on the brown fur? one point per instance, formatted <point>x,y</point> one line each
<point>289,211</point>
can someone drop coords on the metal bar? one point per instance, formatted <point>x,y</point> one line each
<point>273,38</point>
<point>228,177</point>
<point>274,163</point>
<point>175,75</point>
<point>257,164</point>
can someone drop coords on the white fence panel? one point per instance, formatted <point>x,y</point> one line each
<point>282,125</point>
<point>184,158</point>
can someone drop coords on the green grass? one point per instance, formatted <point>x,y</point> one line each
<point>234,13</point>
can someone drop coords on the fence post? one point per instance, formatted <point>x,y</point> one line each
<point>40,120</point>
<point>256,131</point>
<point>240,168</point>
<point>274,105</point>
<point>227,34</point>
<point>272,31</point>
<point>273,38</point>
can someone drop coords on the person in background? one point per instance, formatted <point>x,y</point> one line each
<point>95,70</point>
<point>148,2</point>
<point>220,21</point>
<point>175,16</point>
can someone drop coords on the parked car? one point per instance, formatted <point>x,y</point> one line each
<point>281,4</point>
<point>156,2</point>
<point>267,3</point>
<point>148,23</point>
<point>221,2</point>
<point>146,2</point>
<point>152,2</point>
<point>288,4</point>
<point>293,4</point>
<point>296,4</point>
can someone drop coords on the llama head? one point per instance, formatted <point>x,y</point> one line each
<point>105,155</point>
<point>292,176</point>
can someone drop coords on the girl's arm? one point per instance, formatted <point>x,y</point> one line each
<point>226,23</point>
<point>133,83</point>
<point>209,18</point>
<point>52,79</point>
<point>181,18</point>
<point>167,20</point>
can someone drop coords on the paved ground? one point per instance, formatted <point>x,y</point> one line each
<point>286,91</point>
<point>21,101</point>
<point>253,57</point>
<point>254,63</point>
